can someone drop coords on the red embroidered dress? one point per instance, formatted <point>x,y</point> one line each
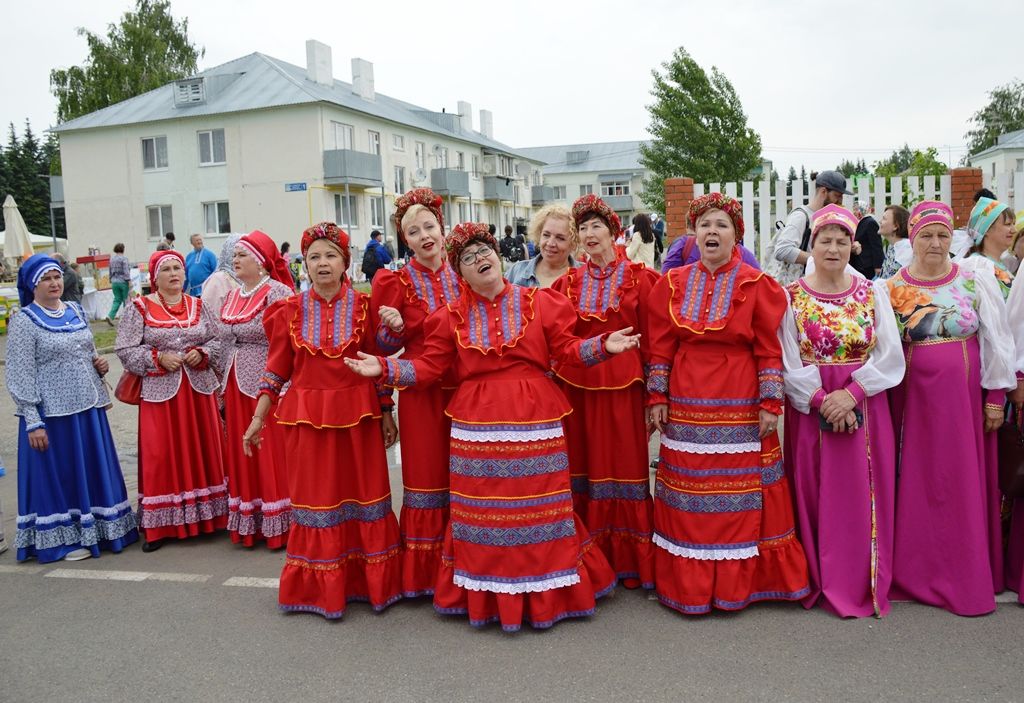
<point>514,549</point>
<point>258,504</point>
<point>723,515</point>
<point>182,489</point>
<point>343,543</point>
<point>606,433</point>
<point>416,291</point>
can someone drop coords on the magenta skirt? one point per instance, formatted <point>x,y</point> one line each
<point>844,491</point>
<point>948,548</point>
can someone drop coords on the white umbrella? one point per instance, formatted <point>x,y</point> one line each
<point>17,239</point>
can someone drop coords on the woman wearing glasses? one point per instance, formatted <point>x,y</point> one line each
<point>514,550</point>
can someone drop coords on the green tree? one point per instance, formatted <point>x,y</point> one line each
<point>148,49</point>
<point>852,169</point>
<point>698,129</point>
<point>1004,113</point>
<point>912,162</point>
<point>24,165</point>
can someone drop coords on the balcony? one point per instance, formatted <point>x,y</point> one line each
<point>450,181</point>
<point>350,167</point>
<point>619,203</point>
<point>542,194</point>
<point>498,188</point>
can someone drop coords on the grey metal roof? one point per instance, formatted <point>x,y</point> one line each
<point>257,82</point>
<point>1010,140</point>
<point>606,157</point>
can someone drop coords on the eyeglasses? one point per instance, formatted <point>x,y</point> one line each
<point>471,257</point>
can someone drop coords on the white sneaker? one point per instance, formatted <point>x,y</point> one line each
<point>78,555</point>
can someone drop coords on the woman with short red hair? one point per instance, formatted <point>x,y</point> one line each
<point>343,542</point>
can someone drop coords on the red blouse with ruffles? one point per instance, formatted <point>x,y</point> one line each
<point>308,337</point>
<point>416,292</point>
<point>607,300</point>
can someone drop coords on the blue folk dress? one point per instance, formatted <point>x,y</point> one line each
<point>72,495</point>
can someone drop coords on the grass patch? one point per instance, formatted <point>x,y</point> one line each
<point>104,336</point>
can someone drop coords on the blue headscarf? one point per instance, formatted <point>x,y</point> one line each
<point>31,271</point>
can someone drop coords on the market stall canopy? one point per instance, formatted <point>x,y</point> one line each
<point>17,239</point>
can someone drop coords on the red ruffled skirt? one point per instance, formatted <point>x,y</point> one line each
<point>424,431</point>
<point>182,490</point>
<point>610,471</point>
<point>343,544</point>
<point>258,503</point>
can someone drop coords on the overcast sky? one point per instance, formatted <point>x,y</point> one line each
<point>818,83</point>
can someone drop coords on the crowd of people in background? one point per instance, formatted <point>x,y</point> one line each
<point>827,424</point>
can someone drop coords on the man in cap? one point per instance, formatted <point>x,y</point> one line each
<point>790,244</point>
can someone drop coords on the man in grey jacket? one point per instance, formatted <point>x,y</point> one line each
<point>829,189</point>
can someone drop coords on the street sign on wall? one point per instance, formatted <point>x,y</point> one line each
<point>294,187</point>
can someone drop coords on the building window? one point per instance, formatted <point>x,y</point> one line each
<point>475,161</point>
<point>376,212</point>
<point>374,142</point>
<point>460,160</point>
<point>558,192</point>
<point>1020,164</point>
<point>398,142</point>
<point>476,211</point>
<point>515,194</point>
<point>586,190</point>
<point>505,166</point>
<point>217,218</point>
<point>399,180</point>
<point>421,151</point>
<point>211,148</point>
<point>341,135</point>
<point>345,212</point>
<point>160,222</point>
<point>993,170</point>
<point>154,153</point>
<point>446,211</point>
<point>614,188</point>
<point>442,157</point>
<point>463,212</point>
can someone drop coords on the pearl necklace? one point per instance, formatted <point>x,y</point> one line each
<point>188,313</point>
<point>247,294</point>
<point>55,314</point>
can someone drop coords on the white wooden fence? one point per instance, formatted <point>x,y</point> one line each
<point>1009,189</point>
<point>761,211</point>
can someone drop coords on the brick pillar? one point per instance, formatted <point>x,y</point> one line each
<point>965,183</point>
<point>678,196</point>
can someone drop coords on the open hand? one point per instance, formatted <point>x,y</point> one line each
<point>621,340</point>
<point>365,365</point>
<point>252,438</point>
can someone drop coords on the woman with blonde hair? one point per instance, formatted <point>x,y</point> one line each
<point>554,233</point>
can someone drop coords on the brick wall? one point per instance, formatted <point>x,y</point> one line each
<point>678,196</point>
<point>965,182</point>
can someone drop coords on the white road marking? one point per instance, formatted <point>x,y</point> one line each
<point>98,574</point>
<point>251,582</point>
<point>180,578</point>
<point>21,569</point>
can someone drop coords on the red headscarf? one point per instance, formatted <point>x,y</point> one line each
<point>464,234</point>
<point>264,250</point>
<point>158,259</point>
<point>717,201</point>
<point>332,233</point>
<point>590,205</point>
<point>418,196</point>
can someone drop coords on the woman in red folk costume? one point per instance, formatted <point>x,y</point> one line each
<point>169,339</point>
<point>723,515</point>
<point>343,543</point>
<point>606,432</point>
<point>403,299</point>
<point>258,505</point>
<point>514,549</point>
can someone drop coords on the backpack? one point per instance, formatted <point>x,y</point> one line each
<point>370,262</point>
<point>782,272</point>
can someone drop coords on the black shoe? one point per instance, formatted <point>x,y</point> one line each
<point>148,547</point>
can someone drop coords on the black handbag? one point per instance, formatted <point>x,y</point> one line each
<point>1011,454</point>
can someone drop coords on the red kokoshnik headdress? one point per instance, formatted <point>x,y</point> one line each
<point>591,204</point>
<point>332,233</point>
<point>718,201</point>
<point>464,234</point>
<point>263,249</point>
<point>158,259</point>
<point>418,196</point>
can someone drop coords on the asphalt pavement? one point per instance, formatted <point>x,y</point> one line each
<point>198,621</point>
